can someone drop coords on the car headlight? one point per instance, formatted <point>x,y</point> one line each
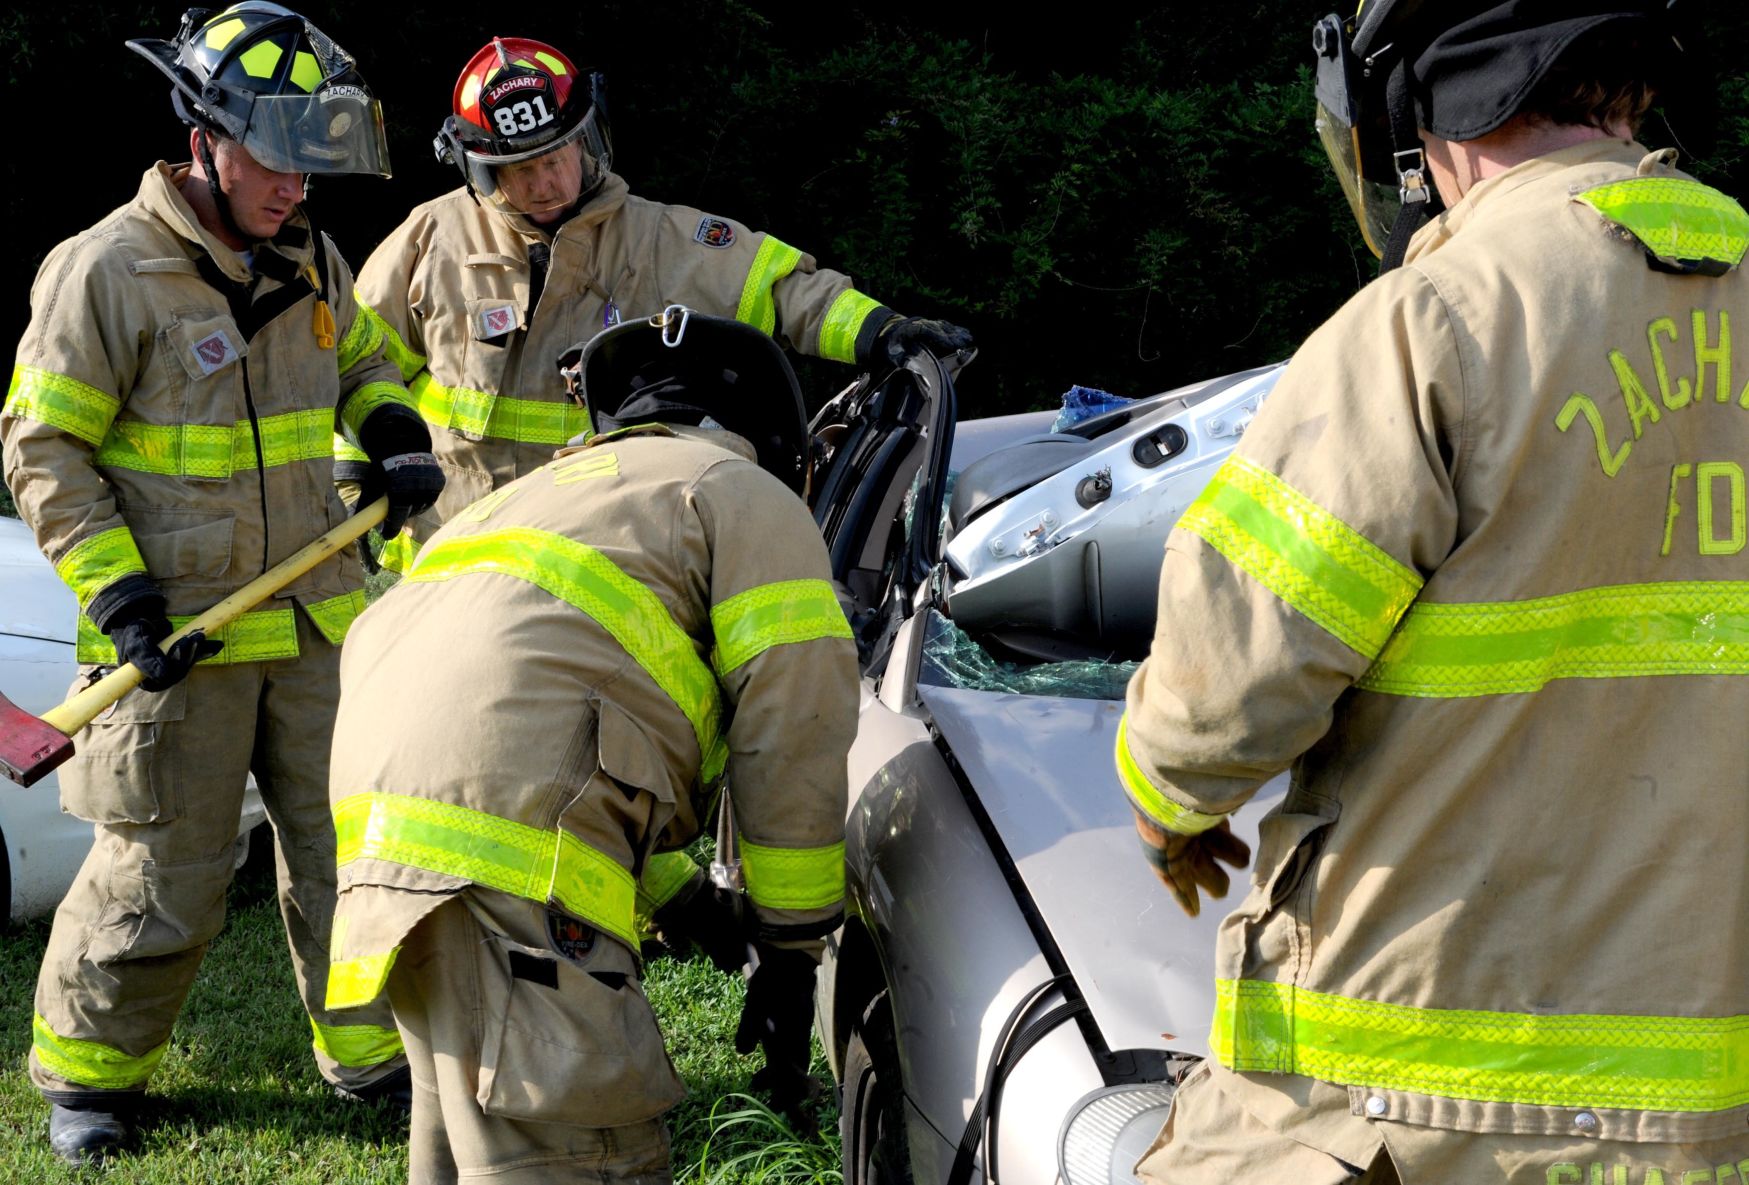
<point>1107,1132</point>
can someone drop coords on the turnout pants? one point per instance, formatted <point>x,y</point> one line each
<point>535,1057</point>
<point>162,777</point>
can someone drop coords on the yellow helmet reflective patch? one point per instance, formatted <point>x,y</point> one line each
<point>305,71</point>
<point>260,59</point>
<point>551,63</point>
<point>223,33</point>
<point>470,91</point>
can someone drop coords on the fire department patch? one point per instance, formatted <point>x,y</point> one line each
<point>496,321</point>
<point>714,232</point>
<point>571,938</point>
<point>214,351</point>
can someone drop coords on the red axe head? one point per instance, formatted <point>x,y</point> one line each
<point>29,747</point>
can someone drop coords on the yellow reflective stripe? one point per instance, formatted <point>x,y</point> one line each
<point>368,398</point>
<point>1619,631</point>
<point>590,582</point>
<point>1150,798</point>
<point>260,636</point>
<point>94,563</point>
<point>217,451</point>
<point>353,983</point>
<point>335,615</point>
<point>345,450</point>
<point>356,1045</point>
<point>400,553</point>
<point>844,318</point>
<point>89,1063</point>
<point>793,878</point>
<point>1675,219</point>
<point>487,850</point>
<point>61,402</point>
<point>395,350</point>
<point>478,413</point>
<point>752,622</point>
<point>1654,1063</point>
<point>665,874</point>
<point>775,260</point>
<point>1312,560</point>
<point>361,340</point>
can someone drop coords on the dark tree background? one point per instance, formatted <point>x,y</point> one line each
<point>1124,197</point>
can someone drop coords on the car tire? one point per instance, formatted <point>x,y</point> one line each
<point>871,1121</point>
<point>5,885</point>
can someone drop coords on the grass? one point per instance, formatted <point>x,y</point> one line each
<point>238,1100</point>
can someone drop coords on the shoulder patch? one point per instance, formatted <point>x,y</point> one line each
<point>1684,226</point>
<point>714,232</point>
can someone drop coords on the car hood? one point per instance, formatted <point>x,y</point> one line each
<point>35,603</point>
<point>1042,769</point>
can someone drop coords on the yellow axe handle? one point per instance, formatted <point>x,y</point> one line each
<point>84,707</point>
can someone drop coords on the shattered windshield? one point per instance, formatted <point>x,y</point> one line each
<point>952,658</point>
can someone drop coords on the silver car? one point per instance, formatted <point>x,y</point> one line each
<point>41,848</point>
<point>1013,994</point>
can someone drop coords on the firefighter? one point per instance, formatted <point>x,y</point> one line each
<point>1477,573</point>
<point>168,437</point>
<point>603,641</point>
<point>479,290</point>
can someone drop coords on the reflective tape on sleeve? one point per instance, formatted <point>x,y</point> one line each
<point>752,622</point>
<point>499,417</point>
<point>1674,218</point>
<point>488,850</point>
<point>1653,1063</point>
<point>793,878</point>
<point>334,616</point>
<point>775,260</point>
<point>356,1046</point>
<point>94,563</point>
<point>218,450</point>
<point>345,450</point>
<point>61,402</point>
<point>400,553</point>
<point>406,360</point>
<point>844,318</point>
<point>590,582</point>
<point>89,1063</point>
<point>1302,553</point>
<point>1149,798</point>
<point>665,874</point>
<point>258,636</point>
<point>368,398</point>
<point>1613,632</point>
<point>362,338</point>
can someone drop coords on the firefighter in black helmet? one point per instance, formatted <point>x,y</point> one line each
<point>1486,531</point>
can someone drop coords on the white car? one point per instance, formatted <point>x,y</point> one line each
<point>41,848</point>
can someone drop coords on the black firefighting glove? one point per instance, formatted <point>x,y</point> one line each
<point>1186,863</point>
<point>402,465</point>
<point>131,612</point>
<point>901,337</point>
<point>779,1016</point>
<point>708,917</point>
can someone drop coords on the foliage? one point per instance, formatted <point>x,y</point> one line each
<point>1130,199</point>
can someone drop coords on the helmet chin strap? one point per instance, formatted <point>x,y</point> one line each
<point>1410,158</point>
<point>203,147</point>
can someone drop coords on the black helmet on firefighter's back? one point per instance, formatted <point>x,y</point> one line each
<point>1458,68</point>
<point>528,130</point>
<point>682,367</point>
<point>267,78</point>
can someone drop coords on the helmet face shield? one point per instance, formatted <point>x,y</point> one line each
<point>1374,202</point>
<point>337,130</point>
<point>544,180</point>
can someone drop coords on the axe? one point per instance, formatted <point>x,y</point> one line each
<point>31,746</point>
